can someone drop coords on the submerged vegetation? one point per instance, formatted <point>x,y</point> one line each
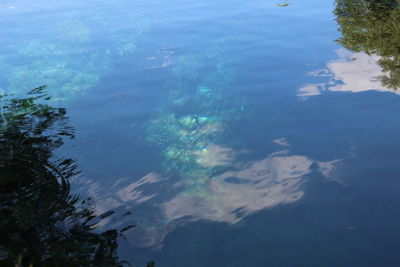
<point>41,222</point>
<point>373,27</point>
<point>66,57</point>
<point>189,128</point>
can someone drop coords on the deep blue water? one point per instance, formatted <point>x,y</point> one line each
<point>238,133</point>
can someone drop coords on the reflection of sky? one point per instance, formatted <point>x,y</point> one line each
<point>352,72</point>
<point>234,194</point>
<point>243,188</point>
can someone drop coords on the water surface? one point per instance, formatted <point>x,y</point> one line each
<point>230,133</point>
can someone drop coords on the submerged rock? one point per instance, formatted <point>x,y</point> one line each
<point>188,121</point>
<point>204,90</point>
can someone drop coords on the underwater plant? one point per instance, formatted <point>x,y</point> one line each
<point>200,106</point>
<point>69,57</point>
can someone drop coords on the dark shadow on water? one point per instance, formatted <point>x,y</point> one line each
<point>41,222</point>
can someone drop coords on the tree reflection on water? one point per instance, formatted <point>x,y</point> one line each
<point>373,27</point>
<point>370,30</point>
<point>41,223</point>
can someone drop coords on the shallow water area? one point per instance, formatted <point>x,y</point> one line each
<point>230,133</point>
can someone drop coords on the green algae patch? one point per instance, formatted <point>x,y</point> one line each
<point>67,58</point>
<point>189,127</point>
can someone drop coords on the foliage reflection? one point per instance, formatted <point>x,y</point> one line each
<point>373,27</point>
<point>41,223</point>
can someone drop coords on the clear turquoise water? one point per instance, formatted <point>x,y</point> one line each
<point>236,133</point>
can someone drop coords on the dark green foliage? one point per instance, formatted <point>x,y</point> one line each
<point>373,26</point>
<point>41,223</point>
